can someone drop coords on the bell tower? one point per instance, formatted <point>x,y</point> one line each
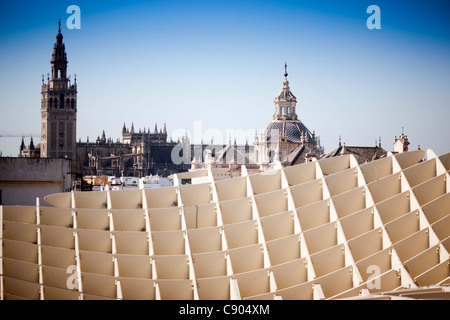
<point>285,102</point>
<point>58,107</point>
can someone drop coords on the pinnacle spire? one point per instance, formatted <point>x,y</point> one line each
<point>285,70</point>
<point>22,145</point>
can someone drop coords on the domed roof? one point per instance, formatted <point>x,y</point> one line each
<point>289,131</point>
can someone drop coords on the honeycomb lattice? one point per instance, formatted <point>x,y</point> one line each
<point>328,229</point>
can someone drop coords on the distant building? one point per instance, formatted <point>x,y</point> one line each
<point>286,139</point>
<point>401,144</point>
<point>361,153</point>
<point>140,153</point>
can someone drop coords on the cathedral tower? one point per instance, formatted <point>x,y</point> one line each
<point>58,107</point>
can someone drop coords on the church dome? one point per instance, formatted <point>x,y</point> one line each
<point>285,126</point>
<point>288,131</point>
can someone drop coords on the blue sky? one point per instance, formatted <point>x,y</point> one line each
<point>222,63</point>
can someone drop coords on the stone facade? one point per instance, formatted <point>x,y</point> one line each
<point>140,153</point>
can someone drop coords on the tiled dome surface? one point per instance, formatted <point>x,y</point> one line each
<point>289,130</point>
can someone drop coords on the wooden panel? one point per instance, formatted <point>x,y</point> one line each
<point>321,238</point>
<point>211,264</point>
<point>128,220</point>
<point>126,199</point>
<point>284,249</point>
<point>236,210</point>
<point>168,242</point>
<point>314,215</point>
<point>241,234</point>
<point>93,219</point>
<point>247,258</point>
<point>228,189</point>
<point>265,182</point>
<point>300,173</point>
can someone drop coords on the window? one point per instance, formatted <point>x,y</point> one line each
<point>271,155</point>
<point>281,110</point>
<point>288,109</point>
<point>61,145</point>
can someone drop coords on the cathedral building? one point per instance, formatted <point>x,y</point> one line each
<point>139,153</point>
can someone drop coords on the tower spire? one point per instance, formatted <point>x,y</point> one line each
<point>285,101</point>
<point>59,57</point>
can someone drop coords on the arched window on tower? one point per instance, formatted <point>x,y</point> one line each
<point>281,110</point>
<point>50,103</point>
<point>72,103</point>
<point>288,110</point>
<point>59,74</point>
<point>67,103</point>
<point>271,155</point>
